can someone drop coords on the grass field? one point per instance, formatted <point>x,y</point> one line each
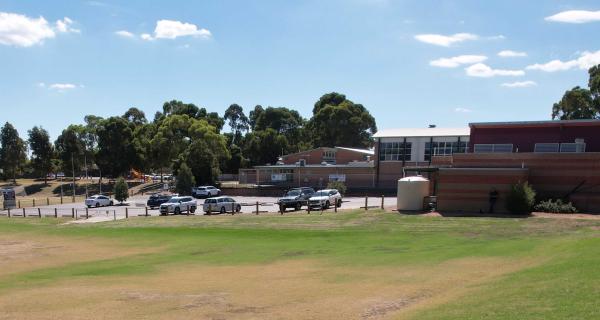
<point>352,265</point>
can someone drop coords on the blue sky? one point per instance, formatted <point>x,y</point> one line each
<point>411,63</point>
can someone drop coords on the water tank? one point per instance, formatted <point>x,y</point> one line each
<point>411,191</point>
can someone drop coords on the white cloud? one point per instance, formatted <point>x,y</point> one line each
<point>146,36</point>
<point>575,16</point>
<point>170,29</point>
<point>519,84</point>
<point>483,71</point>
<point>64,26</point>
<point>585,61</point>
<point>445,41</point>
<point>462,110</point>
<point>457,61</point>
<point>63,86</point>
<point>497,37</point>
<point>22,31</point>
<point>510,54</point>
<point>124,34</point>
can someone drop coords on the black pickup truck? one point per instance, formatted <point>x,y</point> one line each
<point>295,198</point>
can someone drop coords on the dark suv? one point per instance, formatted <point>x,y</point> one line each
<point>295,198</point>
<point>156,200</point>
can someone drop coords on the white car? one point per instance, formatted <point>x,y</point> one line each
<point>324,199</point>
<point>98,201</point>
<point>177,205</point>
<point>221,205</point>
<point>205,192</point>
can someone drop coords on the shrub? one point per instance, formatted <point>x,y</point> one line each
<point>121,190</point>
<point>185,180</point>
<point>521,198</point>
<point>339,185</point>
<point>555,206</point>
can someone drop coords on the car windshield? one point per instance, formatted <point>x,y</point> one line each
<point>293,193</point>
<point>173,200</point>
<point>320,194</point>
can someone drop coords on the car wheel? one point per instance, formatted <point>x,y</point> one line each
<point>193,209</point>
<point>238,208</point>
<point>339,203</point>
<point>177,210</point>
<point>97,204</point>
<point>110,203</point>
<point>298,206</point>
<point>327,204</point>
<point>222,210</point>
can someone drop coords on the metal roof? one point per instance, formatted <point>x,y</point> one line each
<point>423,132</point>
<point>535,123</point>
<point>365,151</point>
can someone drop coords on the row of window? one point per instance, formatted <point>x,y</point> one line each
<point>395,151</point>
<point>444,148</point>
<point>398,151</point>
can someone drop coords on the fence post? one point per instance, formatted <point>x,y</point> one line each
<point>73,213</point>
<point>115,215</point>
<point>281,209</point>
<point>382,201</point>
<point>47,201</point>
<point>366,202</point>
<point>19,204</point>
<point>9,212</point>
<point>308,209</point>
<point>34,202</point>
<point>55,212</point>
<point>61,199</point>
<point>87,214</point>
<point>256,207</point>
<point>24,215</point>
<point>39,212</point>
<point>146,211</point>
<point>335,207</point>
<point>126,213</point>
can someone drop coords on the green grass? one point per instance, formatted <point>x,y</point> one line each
<point>564,284</point>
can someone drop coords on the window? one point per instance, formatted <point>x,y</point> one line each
<point>546,147</point>
<point>329,156</point>
<point>395,151</point>
<point>493,148</point>
<point>572,147</point>
<point>444,148</point>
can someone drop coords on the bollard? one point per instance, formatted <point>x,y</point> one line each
<point>382,201</point>
<point>55,212</point>
<point>87,214</point>
<point>24,215</point>
<point>9,212</point>
<point>126,213</point>
<point>366,203</point>
<point>34,202</point>
<point>39,212</point>
<point>146,211</point>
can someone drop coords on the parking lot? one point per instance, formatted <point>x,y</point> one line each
<point>136,206</point>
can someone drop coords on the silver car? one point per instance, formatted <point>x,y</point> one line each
<point>221,205</point>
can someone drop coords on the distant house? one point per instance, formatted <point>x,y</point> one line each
<point>316,168</point>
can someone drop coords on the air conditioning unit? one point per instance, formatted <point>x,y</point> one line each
<point>302,162</point>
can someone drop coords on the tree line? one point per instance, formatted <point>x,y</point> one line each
<point>580,103</point>
<point>184,135</point>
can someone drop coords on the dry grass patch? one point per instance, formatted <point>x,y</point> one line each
<point>296,289</point>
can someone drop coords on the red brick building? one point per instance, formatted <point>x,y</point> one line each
<point>560,159</point>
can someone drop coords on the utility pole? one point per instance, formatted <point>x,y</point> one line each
<point>73,170</point>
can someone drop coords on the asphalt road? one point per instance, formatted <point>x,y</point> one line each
<point>136,206</point>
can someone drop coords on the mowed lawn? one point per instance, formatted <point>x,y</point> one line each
<point>351,265</point>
